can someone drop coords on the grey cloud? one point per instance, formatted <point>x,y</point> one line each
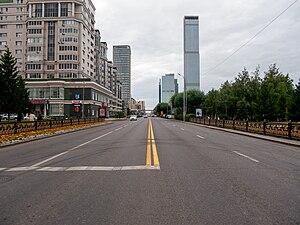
<point>154,31</point>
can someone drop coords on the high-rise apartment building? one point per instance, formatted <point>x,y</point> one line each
<point>122,61</point>
<point>169,87</point>
<point>57,52</point>
<point>191,53</point>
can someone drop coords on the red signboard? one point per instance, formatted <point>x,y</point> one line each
<point>38,102</point>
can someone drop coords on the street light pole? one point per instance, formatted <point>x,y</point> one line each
<point>184,97</point>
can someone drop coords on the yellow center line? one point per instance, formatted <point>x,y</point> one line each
<point>148,154</point>
<point>151,146</point>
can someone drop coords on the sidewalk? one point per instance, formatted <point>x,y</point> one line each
<point>259,136</point>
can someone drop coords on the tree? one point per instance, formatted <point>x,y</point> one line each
<point>275,95</point>
<point>162,107</point>
<point>295,104</point>
<point>195,99</point>
<point>14,97</point>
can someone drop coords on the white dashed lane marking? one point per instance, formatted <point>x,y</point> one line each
<point>248,157</point>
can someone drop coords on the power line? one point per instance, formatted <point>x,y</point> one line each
<point>259,32</point>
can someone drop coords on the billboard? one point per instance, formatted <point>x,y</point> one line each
<point>198,112</point>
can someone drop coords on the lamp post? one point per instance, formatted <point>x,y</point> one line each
<point>184,97</point>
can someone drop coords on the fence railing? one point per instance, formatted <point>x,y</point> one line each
<point>286,130</point>
<point>27,126</point>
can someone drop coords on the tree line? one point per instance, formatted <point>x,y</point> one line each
<point>272,98</point>
<point>14,97</point>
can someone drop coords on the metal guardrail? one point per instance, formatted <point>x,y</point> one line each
<point>20,127</point>
<point>284,130</point>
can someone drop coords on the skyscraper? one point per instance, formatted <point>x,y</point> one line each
<point>191,53</point>
<point>122,60</point>
<point>169,87</point>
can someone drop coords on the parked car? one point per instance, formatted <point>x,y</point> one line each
<point>133,117</point>
<point>11,117</point>
<point>145,116</point>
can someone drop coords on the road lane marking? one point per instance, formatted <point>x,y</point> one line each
<point>76,147</point>
<point>49,159</point>
<point>248,157</point>
<point>200,137</point>
<point>119,128</point>
<point>148,153</point>
<point>181,128</point>
<point>2,169</point>
<point>82,168</point>
<point>154,149</point>
<point>151,146</point>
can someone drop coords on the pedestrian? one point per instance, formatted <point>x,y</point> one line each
<point>39,118</point>
<point>32,117</point>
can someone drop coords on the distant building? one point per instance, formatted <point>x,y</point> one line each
<point>137,106</point>
<point>191,53</point>
<point>159,91</point>
<point>122,61</point>
<point>169,87</point>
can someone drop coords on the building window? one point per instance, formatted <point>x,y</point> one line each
<point>34,40</point>
<point>3,34</point>
<point>34,31</point>
<point>19,1</point>
<point>19,60</point>
<point>34,23</point>
<point>38,10</point>
<point>68,66</point>
<point>19,26</point>
<point>50,67</point>
<point>34,48</point>
<point>50,76</point>
<point>34,75</point>
<point>33,66</point>
<point>51,10</point>
<point>18,43</point>
<point>18,51</point>
<point>64,9</point>
<point>51,41</point>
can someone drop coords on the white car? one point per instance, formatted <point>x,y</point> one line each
<point>133,117</point>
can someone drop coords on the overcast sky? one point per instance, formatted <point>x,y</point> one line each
<point>154,30</point>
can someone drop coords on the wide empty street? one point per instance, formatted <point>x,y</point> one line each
<point>149,171</point>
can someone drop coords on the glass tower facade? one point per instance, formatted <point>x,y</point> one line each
<point>169,87</point>
<point>191,53</point>
<point>122,61</point>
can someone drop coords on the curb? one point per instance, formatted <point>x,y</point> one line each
<point>293,143</point>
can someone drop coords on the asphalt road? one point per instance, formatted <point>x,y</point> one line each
<point>122,173</point>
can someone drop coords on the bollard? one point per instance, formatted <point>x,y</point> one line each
<point>264,127</point>
<point>247,124</point>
